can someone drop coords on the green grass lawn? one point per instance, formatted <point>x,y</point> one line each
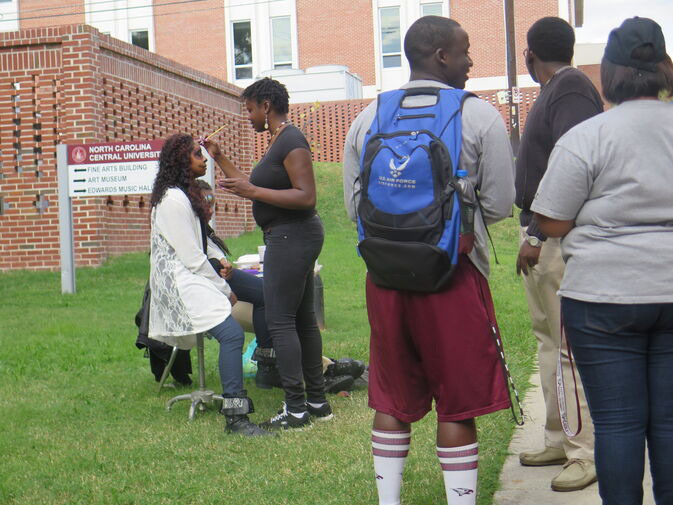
<point>81,422</point>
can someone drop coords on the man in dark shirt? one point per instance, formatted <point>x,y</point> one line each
<point>567,97</point>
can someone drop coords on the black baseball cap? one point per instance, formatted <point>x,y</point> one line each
<point>633,33</point>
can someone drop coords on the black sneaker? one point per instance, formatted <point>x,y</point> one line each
<point>345,366</point>
<point>241,425</point>
<point>339,383</point>
<point>322,413</point>
<point>284,420</point>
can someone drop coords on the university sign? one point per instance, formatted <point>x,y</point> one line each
<point>113,168</point>
<point>117,168</point>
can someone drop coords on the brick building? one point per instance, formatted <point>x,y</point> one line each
<point>71,84</point>
<point>62,81</point>
<point>239,40</point>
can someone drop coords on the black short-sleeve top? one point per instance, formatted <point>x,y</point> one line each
<point>270,173</point>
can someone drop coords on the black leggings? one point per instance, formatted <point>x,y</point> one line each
<point>291,252</point>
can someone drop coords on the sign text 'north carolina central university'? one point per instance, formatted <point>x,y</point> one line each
<point>116,168</point>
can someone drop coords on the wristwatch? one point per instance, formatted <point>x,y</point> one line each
<point>533,241</point>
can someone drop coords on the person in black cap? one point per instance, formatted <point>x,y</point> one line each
<point>608,191</point>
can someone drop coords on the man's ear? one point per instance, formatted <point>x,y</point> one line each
<point>442,55</point>
<point>530,57</point>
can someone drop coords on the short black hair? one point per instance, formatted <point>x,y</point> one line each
<point>269,89</point>
<point>552,39</point>
<point>621,83</point>
<point>426,35</point>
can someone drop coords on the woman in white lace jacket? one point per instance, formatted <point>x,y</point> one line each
<point>188,296</point>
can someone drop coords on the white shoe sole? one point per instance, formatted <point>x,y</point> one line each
<point>328,417</point>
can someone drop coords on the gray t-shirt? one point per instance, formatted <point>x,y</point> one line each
<point>613,175</point>
<point>486,154</point>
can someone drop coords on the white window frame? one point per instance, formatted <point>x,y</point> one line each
<point>442,6</point>
<point>282,63</point>
<point>380,34</point>
<point>250,65</point>
<point>136,30</point>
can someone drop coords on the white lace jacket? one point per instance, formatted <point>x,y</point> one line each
<point>188,296</point>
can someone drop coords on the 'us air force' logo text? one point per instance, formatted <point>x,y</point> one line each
<point>397,171</point>
<point>395,179</point>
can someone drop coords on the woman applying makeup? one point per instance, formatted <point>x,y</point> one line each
<point>282,189</point>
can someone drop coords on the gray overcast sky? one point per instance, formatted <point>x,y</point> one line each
<point>601,16</point>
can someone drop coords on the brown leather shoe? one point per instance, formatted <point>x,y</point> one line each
<point>546,457</point>
<point>576,474</point>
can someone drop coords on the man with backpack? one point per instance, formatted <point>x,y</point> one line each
<point>567,97</point>
<point>407,160</point>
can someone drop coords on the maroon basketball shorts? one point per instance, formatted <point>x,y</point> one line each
<point>439,346</point>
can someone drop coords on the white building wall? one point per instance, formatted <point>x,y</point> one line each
<point>9,16</point>
<point>119,18</point>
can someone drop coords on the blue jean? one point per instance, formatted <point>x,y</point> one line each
<point>230,336</point>
<point>624,355</point>
<point>249,288</point>
<point>291,252</point>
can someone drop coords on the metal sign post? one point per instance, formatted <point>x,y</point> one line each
<point>67,243</point>
<point>511,75</point>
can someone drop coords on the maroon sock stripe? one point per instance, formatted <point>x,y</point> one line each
<point>389,454</point>
<point>457,467</point>
<point>391,441</point>
<point>458,454</point>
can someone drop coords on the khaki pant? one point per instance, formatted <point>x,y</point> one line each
<point>542,283</point>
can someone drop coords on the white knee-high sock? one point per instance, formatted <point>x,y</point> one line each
<point>390,450</point>
<point>459,467</point>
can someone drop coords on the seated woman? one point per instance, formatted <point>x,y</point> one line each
<point>247,288</point>
<point>188,297</point>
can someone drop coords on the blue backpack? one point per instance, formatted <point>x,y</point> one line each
<point>416,212</point>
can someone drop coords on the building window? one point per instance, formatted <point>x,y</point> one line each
<point>242,50</point>
<point>140,38</point>
<point>281,41</point>
<point>433,9</point>
<point>391,47</point>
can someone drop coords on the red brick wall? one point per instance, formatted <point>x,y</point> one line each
<point>195,38</point>
<point>39,13</point>
<point>594,73</point>
<point>329,31</point>
<point>326,124</point>
<point>71,84</point>
<point>339,33</point>
<point>323,38</point>
<point>484,22</point>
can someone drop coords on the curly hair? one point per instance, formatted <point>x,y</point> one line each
<point>271,90</point>
<point>174,172</point>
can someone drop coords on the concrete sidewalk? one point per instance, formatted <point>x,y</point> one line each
<point>521,485</point>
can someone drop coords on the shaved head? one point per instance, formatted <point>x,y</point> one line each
<point>426,35</point>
